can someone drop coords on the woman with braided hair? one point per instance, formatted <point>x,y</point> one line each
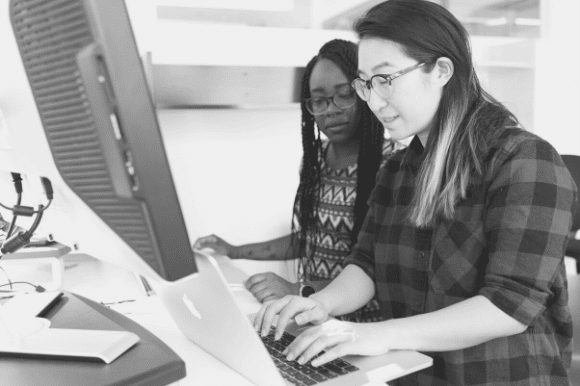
<point>336,178</point>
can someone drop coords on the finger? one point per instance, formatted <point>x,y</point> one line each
<point>301,343</point>
<point>263,294</point>
<point>314,316</point>
<point>323,343</point>
<point>199,244</point>
<point>206,241</point>
<point>270,298</point>
<point>254,279</point>
<point>337,351</point>
<point>296,306</point>
<point>258,287</point>
<point>259,317</point>
<point>271,311</point>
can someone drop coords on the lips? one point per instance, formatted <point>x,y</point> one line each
<point>389,119</point>
<point>336,125</point>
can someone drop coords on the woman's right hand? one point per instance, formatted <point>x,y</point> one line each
<point>303,310</point>
<point>220,246</point>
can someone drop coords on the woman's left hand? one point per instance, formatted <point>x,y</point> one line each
<point>269,286</point>
<point>338,339</point>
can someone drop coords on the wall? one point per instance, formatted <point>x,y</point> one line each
<point>236,172</point>
<point>557,79</point>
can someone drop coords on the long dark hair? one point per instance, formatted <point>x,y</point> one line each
<point>371,133</point>
<point>427,32</point>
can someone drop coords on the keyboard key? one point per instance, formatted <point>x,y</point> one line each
<point>302,375</point>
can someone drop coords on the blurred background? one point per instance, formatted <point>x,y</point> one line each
<point>225,78</point>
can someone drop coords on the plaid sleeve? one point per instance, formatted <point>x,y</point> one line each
<point>529,214</point>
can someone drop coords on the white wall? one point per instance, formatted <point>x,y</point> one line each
<point>557,77</point>
<point>236,172</point>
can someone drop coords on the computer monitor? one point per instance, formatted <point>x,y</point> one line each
<point>98,138</point>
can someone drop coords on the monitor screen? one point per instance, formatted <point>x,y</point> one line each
<point>91,95</point>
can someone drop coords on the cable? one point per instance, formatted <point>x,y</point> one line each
<point>13,222</point>
<point>25,210</point>
<point>14,242</point>
<point>7,277</point>
<point>21,239</point>
<point>37,288</point>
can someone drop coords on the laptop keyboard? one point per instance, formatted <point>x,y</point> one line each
<point>303,375</point>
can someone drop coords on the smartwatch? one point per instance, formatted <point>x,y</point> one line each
<point>306,290</point>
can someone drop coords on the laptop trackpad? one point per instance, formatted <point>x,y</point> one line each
<point>385,372</point>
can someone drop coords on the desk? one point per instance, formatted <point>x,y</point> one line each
<point>103,282</point>
<point>149,362</point>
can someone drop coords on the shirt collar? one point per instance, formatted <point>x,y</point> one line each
<point>414,152</point>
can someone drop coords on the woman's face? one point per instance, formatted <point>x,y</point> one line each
<point>327,80</point>
<point>411,108</point>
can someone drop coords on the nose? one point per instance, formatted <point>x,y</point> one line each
<point>376,102</point>
<point>332,108</point>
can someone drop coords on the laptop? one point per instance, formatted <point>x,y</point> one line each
<point>206,311</point>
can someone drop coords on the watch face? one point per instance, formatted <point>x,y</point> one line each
<point>307,291</point>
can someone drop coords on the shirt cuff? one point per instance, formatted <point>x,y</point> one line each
<point>363,261</point>
<point>522,308</point>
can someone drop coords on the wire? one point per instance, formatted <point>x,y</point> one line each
<point>14,217</point>
<point>37,220</point>
<point>32,211</point>
<point>23,282</point>
<point>119,302</point>
<point>7,277</point>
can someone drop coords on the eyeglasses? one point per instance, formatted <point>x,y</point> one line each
<point>381,83</point>
<point>343,99</point>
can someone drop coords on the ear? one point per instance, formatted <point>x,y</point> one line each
<point>442,71</point>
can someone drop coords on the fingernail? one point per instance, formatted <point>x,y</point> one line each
<point>301,360</point>
<point>299,319</point>
<point>290,357</point>
<point>285,352</point>
<point>314,362</point>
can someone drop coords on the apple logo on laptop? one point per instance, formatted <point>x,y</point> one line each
<point>190,306</point>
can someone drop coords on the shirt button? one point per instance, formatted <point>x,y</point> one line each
<point>421,255</point>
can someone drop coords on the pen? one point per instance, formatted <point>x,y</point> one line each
<point>147,287</point>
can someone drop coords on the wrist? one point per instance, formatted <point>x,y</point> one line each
<point>235,252</point>
<point>296,288</point>
<point>319,298</point>
<point>394,335</point>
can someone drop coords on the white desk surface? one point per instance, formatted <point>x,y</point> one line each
<point>103,282</point>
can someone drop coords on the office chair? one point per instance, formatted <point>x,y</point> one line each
<point>574,304</point>
<point>572,162</point>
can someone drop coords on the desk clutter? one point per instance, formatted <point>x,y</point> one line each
<point>25,333</point>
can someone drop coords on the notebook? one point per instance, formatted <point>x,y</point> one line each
<point>205,310</point>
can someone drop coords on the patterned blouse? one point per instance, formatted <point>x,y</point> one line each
<point>506,243</point>
<point>335,223</point>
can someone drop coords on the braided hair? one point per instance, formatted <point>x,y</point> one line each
<point>371,133</point>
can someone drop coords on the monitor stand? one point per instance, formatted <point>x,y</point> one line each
<point>32,337</point>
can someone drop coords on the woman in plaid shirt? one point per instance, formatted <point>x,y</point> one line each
<point>465,235</point>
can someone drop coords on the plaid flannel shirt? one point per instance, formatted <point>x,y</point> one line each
<point>506,242</point>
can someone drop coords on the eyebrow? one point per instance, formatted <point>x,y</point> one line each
<point>321,89</point>
<point>375,68</point>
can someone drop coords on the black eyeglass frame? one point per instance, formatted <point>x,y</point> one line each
<point>330,99</point>
<point>368,84</point>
